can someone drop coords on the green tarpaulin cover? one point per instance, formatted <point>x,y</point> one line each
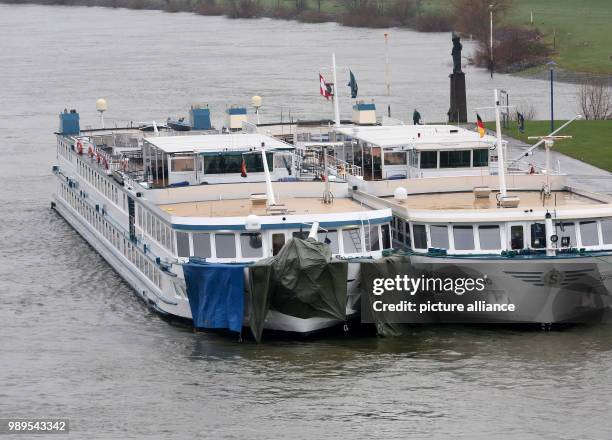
<point>302,280</point>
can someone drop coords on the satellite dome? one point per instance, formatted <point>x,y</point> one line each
<point>256,101</point>
<point>400,193</point>
<point>101,105</point>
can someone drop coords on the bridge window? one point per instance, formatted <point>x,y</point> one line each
<point>455,159</point>
<point>439,236</point>
<point>420,236</point>
<point>386,238</point>
<point>251,245</point>
<point>225,245</point>
<point>464,238</point>
<point>351,238</point>
<point>489,237</point>
<point>606,230</point>
<point>481,157</point>
<point>182,244</point>
<point>538,236</point>
<point>395,158</point>
<point>201,245</point>
<point>182,164</point>
<point>331,239</point>
<point>278,241</point>
<point>567,230</point>
<point>429,159</point>
<point>588,233</point>
<point>231,163</point>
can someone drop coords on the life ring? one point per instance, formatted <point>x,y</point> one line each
<point>79,147</point>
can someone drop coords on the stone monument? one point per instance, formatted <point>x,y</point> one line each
<point>458,103</point>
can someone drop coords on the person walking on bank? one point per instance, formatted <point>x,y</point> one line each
<point>416,117</point>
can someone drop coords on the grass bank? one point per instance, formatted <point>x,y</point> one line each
<point>591,142</point>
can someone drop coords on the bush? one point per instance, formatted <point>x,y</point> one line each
<point>244,9</point>
<point>315,17</point>
<point>515,48</point>
<point>434,22</point>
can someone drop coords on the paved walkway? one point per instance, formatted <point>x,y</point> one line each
<point>580,174</point>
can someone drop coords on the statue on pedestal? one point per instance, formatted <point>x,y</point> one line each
<point>456,53</point>
<point>458,107</point>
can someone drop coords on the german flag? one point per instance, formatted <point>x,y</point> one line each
<point>480,126</point>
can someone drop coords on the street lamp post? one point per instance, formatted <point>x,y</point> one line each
<point>552,65</point>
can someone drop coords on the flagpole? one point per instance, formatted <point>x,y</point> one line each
<point>501,164</point>
<point>335,95</point>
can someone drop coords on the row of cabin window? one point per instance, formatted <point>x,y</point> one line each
<point>592,233</point>
<point>116,238</point>
<point>455,158</point>
<point>250,244</point>
<point>95,179</point>
<point>155,228</point>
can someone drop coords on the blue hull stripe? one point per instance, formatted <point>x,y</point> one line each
<point>180,227</point>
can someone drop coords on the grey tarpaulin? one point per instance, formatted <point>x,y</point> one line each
<point>302,280</point>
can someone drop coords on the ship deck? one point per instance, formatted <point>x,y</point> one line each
<point>244,207</point>
<point>467,200</point>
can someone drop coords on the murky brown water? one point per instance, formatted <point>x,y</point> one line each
<point>76,343</point>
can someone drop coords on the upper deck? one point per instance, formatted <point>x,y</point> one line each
<point>245,207</point>
<point>466,200</point>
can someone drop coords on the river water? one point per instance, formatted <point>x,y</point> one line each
<point>76,343</point>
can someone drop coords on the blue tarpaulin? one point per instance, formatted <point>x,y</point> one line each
<point>216,294</point>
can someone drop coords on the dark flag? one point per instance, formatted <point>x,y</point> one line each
<point>353,85</point>
<point>520,119</point>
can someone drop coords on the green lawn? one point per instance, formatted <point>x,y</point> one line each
<point>591,142</point>
<point>581,29</point>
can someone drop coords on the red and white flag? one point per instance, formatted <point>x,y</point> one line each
<point>324,88</point>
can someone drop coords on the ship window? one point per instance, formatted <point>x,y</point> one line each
<point>351,238</point>
<point>225,245</point>
<point>302,235</point>
<point>489,237</point>
<point>429,159</point>
<point>395,158</point>
<point>386,239</point>
<point>455,159</point>
<point>566,229</point>
<point>588,233</point>
<point>400,229</point>
<point>278,241</point>
<point>517,238</point>
<point>420,236</point>
<point>481,157</point>
<point>201,245</point>
<point>182,244</point>
<point>331,239</point>
<point>464,238</point>
<point>374,239</point>
<point>606,231</point>
<point>538,235</point>
<point>182,164</point>
<point>250,245</point>
<point>439,236</point>
<point>230,163</point>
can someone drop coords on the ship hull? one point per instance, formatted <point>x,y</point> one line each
<point>567,289</point>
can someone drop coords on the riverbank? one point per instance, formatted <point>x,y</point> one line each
<point>591,140</point>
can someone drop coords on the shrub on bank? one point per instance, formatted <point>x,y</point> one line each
<point>515,48</point>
